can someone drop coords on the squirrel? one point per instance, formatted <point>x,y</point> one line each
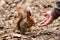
<point>25,20</point>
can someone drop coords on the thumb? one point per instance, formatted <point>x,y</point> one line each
<point>45,14</point>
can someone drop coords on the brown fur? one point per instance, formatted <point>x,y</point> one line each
<point>25,20</point>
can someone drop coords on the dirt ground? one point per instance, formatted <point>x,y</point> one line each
<point>8,13</point>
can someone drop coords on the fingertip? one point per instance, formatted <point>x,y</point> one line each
<point>45,14</point>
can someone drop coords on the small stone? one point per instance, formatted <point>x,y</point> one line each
<point>51,39</point>
<point>16,1</point>
<point>13,5</point>
<point>16,35</point>
<point>2,32</point>
<point>5,35</point>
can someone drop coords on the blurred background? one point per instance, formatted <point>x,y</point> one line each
<point>8,14</point>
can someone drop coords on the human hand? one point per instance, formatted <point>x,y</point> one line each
<point>47,20</point>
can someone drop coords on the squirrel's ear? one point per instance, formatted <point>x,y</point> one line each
<point>28,13</point>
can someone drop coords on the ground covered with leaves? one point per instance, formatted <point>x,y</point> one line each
<point>8,13</point>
